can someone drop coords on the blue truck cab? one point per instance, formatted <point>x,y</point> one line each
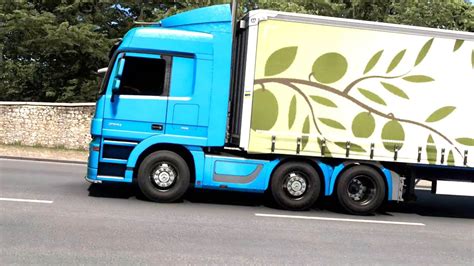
<point>162,84</point>
<point>167,89</point>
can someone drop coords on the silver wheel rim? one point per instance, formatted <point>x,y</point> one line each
<point>164,175</point>
<point>295,184</point>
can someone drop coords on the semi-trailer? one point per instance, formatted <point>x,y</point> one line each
<point>298,105</point>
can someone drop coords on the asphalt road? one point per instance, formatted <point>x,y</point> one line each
<point>76,223</point>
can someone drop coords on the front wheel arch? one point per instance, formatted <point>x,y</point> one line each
<point>163,176</point>
<point>179,149</point>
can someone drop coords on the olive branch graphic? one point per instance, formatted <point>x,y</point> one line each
<point>331,67</point>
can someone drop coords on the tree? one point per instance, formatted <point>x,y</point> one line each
<point>46,59</point>
<point>50,49</point>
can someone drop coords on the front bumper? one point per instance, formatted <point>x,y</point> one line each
<point>91,176</point>
<point>92,181</point>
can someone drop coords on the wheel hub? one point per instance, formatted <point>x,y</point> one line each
<point>164,175</point>
<point>296,185</point>
<point>357,190</point>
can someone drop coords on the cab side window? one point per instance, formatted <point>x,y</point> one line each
<point>145,76</point>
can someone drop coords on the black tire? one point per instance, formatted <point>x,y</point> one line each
<point>163,176</point>
<point>360,190</point>
<point>284,194</point>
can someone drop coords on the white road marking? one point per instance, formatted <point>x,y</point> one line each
<point>27,200</point>
<point>336,219</point>
<point>423,188</point>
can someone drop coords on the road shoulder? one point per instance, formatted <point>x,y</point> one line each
<point>43,154</point>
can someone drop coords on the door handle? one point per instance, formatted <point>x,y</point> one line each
<point>157,127</point>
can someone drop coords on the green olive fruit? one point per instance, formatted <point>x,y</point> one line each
<point>264,110</point>
<point>329,68</point>
<point>363,125</point>
<point>393,130</point>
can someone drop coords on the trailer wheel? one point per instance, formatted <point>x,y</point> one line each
<point>163,176</point>
<point>295,185</point>
<point>360,190</point>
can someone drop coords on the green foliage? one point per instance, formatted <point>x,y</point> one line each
<point>51,49</point>
<point>46,57</point>
<point>454,15</point>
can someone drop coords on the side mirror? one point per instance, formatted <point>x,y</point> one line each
<point>118,76</point>
<point>120,66</point>
<point>115,88</point>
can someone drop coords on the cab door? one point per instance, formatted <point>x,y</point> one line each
<point>137,96</point>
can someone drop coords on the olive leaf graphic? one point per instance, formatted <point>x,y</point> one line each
<point>292,112</point>
<point>373,61</point>
<point>280,60</point>
<point>353,147</point>
<point>396,60</point>
<point>372,96</point>
<point>440,114</point>
<point>331,123</point>
<point>458,44</point>
<point>466,141</point>
<point>418,78</point>
<point>394,90</point>
<point>305,130</point>
<point>451,161</point>
<point>431,151</point>
<point>424,50</point>
<point>323,101</point>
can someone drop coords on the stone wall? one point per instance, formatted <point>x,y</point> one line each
<point>62,125</point>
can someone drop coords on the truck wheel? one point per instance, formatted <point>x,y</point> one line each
<point>163,176</point>
<point>360,190</point>
<point>295,186</point>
